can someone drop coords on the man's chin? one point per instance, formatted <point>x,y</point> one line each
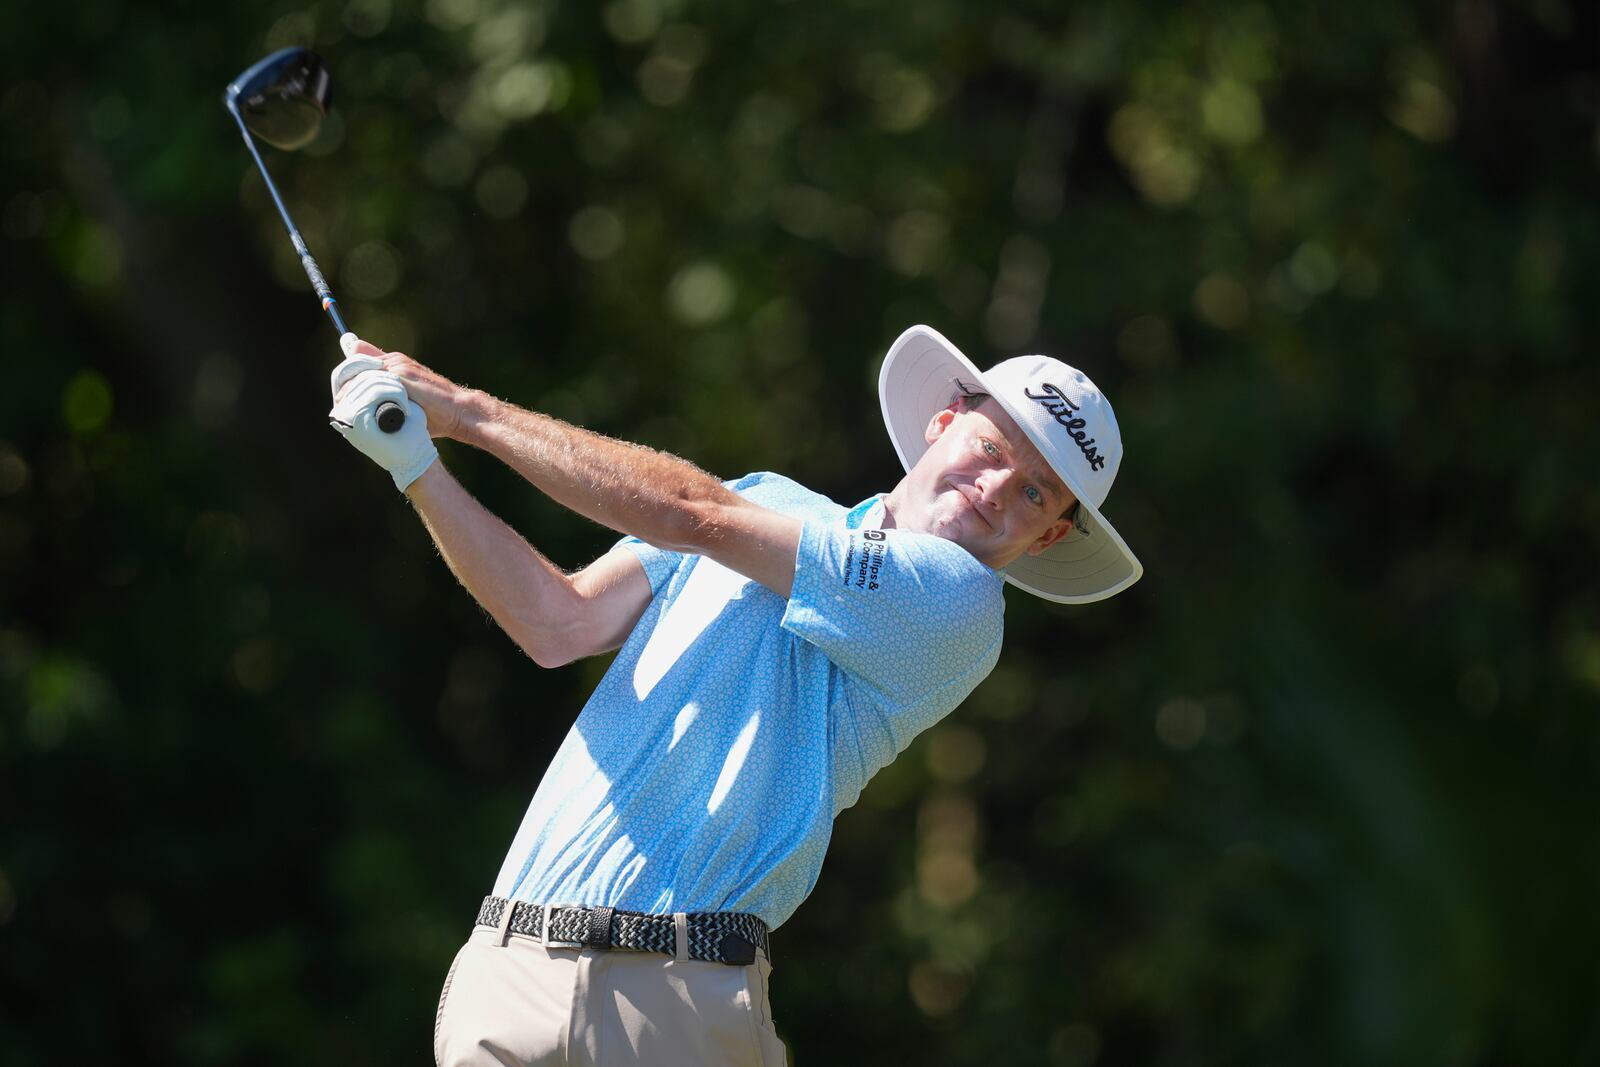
<point>947,525</point>
<point>955,521</point>
<point>963,527</point>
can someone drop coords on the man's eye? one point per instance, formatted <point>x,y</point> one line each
<point>1034,495</point>
<point>989,447</point>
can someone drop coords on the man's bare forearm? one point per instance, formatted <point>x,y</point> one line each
<point>533,601</point>
<point>660,499</point>
<point>656,497</point>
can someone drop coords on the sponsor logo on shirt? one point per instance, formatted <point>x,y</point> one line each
<point>1065,412</point>
<point>864,560</point>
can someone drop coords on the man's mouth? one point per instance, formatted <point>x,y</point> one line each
<point>969,496</point>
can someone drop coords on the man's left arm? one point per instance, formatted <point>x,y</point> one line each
<point>656,497</point>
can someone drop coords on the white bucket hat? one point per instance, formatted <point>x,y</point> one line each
<point>1068,420</point>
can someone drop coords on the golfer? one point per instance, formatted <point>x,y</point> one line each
<point>776,650</point>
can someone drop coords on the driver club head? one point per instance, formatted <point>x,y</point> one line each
<point>283,98</point>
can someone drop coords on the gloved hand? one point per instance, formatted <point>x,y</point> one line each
<point>359,385</point>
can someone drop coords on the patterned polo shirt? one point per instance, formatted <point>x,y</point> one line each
<point>706,769</point>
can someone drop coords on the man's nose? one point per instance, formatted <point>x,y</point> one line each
<point>993,485</point>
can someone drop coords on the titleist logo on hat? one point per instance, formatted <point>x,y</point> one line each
<point>1065,412</point>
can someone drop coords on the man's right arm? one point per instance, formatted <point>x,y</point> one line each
<point>552,616</point>
<point>661,499</point>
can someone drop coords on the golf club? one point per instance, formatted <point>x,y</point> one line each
<point>282,99</point>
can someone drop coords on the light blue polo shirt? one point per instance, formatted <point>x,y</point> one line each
<point>706,769</point>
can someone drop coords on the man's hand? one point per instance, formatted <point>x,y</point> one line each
<point>359,385</point>
<point>442,399</point>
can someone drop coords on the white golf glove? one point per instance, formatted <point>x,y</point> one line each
<point>359,385</point>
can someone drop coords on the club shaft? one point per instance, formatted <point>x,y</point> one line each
<point>313,272</point>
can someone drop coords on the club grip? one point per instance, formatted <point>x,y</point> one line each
<point>391,417</point>
<point>314,273</point>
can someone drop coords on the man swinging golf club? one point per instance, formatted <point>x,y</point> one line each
<point>776,650</point>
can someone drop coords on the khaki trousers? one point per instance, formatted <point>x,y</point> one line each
<point>519,1004</point>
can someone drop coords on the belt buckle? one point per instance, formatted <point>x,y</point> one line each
<point>544,926</point>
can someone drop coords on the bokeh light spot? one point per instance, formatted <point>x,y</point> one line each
<point>902,97</point>
<point>1181,724</point>
<point>257,665</point>
<point>329,137</point>
<point>595,232</point>
<point>14,472</point>
<point>371,270</point>
<point>64,694</point>
<point>86,402</point>
<point>1148,343</point>
<point>216,389</point>
<point>955,753</point>
<point>502,191</point>
<point>110,117</point>
<point>1423,110</point>
<point>664,77</point>
<point>513,31</point>
<point>633,21</point>
<point>449,161</point>
<point>701,294</point>
<point>524,89</point>
<point>97,256</point>
<point>664,81</point>
<point>916,242</point>
<point>1313,269</point>
<point>1166,172</point>
<point>295,28</point>
<point>453,14</point>
<point>1232,112</point>
<point>1222,301</point>
<point>1074,1045</point>
<point>764,119</point>
<point>366,18</point>
<point>936,989</point>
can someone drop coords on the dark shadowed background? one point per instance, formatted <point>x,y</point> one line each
<point>1321,789</point>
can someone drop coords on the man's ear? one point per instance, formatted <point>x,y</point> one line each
<point>939,424</point>
<point>1059,529</point>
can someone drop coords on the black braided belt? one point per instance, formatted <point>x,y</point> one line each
<point>714,936</point>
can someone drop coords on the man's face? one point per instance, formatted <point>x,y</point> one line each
<point>983,485</point>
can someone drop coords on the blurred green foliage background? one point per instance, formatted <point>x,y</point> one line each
<point>1321,789</point>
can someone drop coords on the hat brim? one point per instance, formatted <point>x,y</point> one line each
<point>1091,562</point>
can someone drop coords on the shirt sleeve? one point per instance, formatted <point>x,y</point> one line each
<point>659,564</point>
<point>909,614</point>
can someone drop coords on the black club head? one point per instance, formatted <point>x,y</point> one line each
<point>284,97</point>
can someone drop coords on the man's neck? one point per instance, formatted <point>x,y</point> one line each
<point>891,505</point>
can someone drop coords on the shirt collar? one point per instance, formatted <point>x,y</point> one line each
<point>867,515</point>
